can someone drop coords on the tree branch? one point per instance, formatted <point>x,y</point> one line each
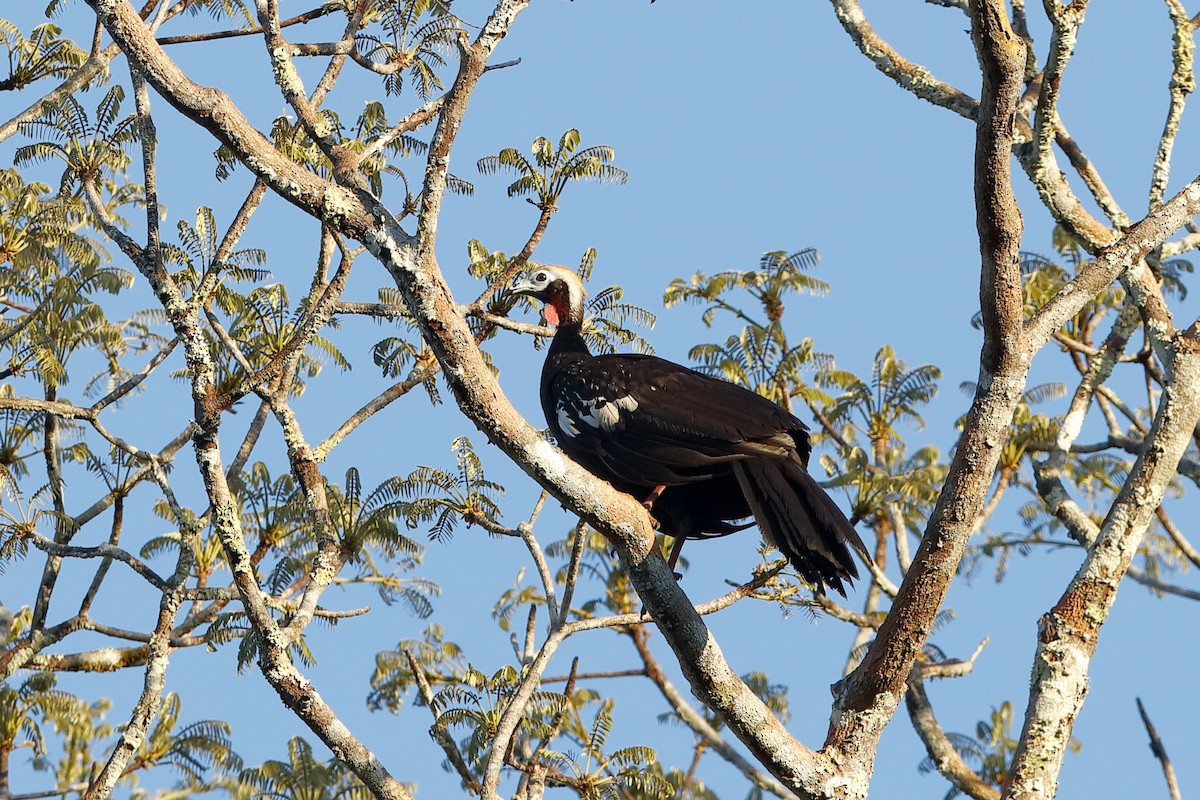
<point>866,700</point>
<point>939,747</point>
<point>1068,633</point>
<point>1160,752</point>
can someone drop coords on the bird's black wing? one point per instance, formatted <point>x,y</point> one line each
<point>652,422</point>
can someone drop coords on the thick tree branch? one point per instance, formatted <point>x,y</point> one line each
<point>913,77</point>
<point>1068,633</point>
<point>867,699</point>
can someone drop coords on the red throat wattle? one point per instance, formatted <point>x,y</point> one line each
<point>550,312</point>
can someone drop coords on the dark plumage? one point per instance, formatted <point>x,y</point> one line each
<point>705,455</point>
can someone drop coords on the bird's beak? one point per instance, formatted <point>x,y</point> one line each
<point>522,285</point>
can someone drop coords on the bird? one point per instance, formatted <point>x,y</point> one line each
<point>706,457</point>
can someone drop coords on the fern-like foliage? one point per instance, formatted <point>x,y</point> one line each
<point>63,319</point>
<point>301,777</point>
<point>270,506</point>
<point>371,131</point>
<point>19,429</point>
<point>397,356</point>
<point>598,774</point>
<point>441,661</point>
<point>415,36</point>
<point>196,256</point>
<point>761,359</point>
<point>265,326</point>
<point>874,461</point>
<point>35,709</point>
<point>476,702</point>
<point>46,53</point>
<point>54,273</point>
<point>893,395</point>
<point>366,519</point>
<point>545,177</point>
<point>34,224</point>
<point>234,10</point>
<point>93,152</point>
<point>760,356</point>
<point>20,518</point>
<point>192,749</point>
<point>778,274</point>
<point>441,499</point>
<point>366,526</point>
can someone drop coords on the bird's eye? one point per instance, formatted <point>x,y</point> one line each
<point>541,276</point>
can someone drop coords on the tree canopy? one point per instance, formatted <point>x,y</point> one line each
<point>256,439</point>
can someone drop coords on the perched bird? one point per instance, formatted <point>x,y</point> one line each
<point>702,454</point>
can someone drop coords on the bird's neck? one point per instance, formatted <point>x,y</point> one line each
<point>568,341</point>
<point>564,306</point>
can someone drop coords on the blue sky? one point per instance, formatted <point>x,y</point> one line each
<point>741,133</point>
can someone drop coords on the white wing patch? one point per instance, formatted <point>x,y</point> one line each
<point>626,403</point>
<point>566,421</point>
<point>600,413</point>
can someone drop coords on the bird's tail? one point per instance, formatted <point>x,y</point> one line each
<point>796,516</point>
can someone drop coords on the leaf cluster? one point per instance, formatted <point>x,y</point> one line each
<point>760,356</point>
<point>301,777</point>
<point>46,53</point>
<point>93,153</point>
<point>415,36</point>
<point>545,177</point>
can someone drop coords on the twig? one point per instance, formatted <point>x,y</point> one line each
<point>572,566</point>
<point>1160,752</point>
<point>591,676</point>
<point>703,729</point>
<point>941,750</point>
<point>952,667</point>
<point>299,19</point>
<point>51,547</point>
<point>134,380</point>
<point>438,732</point>
<point>1181,541</point>
<point>525,530</point>
<point>415,378</point>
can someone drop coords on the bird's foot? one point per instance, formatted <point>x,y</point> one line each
<point>648,503</point>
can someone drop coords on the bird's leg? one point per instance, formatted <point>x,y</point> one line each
<point>676,548</point>
<point>653,496</point>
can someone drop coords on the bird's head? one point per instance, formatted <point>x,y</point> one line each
<point>559,288</point>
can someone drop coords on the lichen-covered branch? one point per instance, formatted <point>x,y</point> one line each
<point>867,699</point>
<point>913,77</point>
<point>1112,261</point>
<point>1066,20</point>
<point>1183,83</point>
<point>1068,633</point>
<point>696,721</point>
